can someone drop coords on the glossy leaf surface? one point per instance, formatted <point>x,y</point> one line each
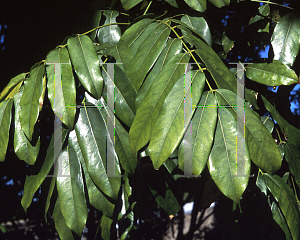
<point>24,149</point>
<point>198,5</point>
<point>66,98</point>
<point>203,129</point>
<point>5,119</point>
<point>272,74</point>
<point>286,39</point>
<point>29,103</point>
<point>287,202</point>
<point>174,118</point>
<point>109,34</point>
<point>148,112</point>
<point>71,191</point>
<point>11,85</point>
<point>86,64</point>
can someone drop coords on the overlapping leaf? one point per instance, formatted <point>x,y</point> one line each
<point>173,47</point>
<point>70,189</point>
<point>86,64</point>
<point>63,96</point>
<point>23,148</point>
<point>33,182</point>
<point>148,112</point>
<point>174,117</point>
<point>109,34</point>
<point>29,103</point>
<point>11,85</point>
<point>292,155</point>
<point>269,124</point>
<point>203,129</point>
<point>263,150</point>
<point>148,53</point>
<point>264,11</point>
<point>287,202</point>
<point>91,133</point>
<point>286,39</point>
<point>5,119</point>
<point>96,22</point>
<point>272,74</point>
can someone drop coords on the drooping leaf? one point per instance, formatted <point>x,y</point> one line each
<point>96,198</point>
<point>222,162</point>
<point>174,117</point>
<point>29,103</point>
<point>287,202</point>
<point>173,47</point>
<point>279,219</point>
<point>91,133</point>
<point>263,150</point>
<point>198,5</point>
<point>33,182</point>
<point>220,3</point>
<point>61,227</point>
<point>264,11</point>
<point>70,189</point>
<point>11,85</point>
<point>149,50</point>
<point>148,112</point>
<point>128,4</point>
<point>292,155</point>
<point>227,43</point>
<point>86,64</point>
<point>286,39</point>
<point>269,124</point>
<point>203,129</point>
<point>96,22</point>
<point>62,96</point>
<point>218,70</point>
<point>5,119</point>
<point>199,25</point>
<point>105,224</point>
<point>124,94</point>
<point>23,148</point>
<point>109,34</point>
<point>173,3</point>
<point>272,74</point>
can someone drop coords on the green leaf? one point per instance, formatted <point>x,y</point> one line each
<point>222,162</point>
<point>218,70</point>
<point>199,25</point>
<point>5,119</point>
<point>86,64</point>
<point>49,195</point>
<point>96,22</point>
<point>124,94</point>
<point>279,219</point>
<point>96,198</point>
<point>105,224</point>
<point>24,149</point>
<point>33,182</point>
<point>29,103</point>
<point>91,133</point>
<point>251,97</point>
<point>127,160</point>
<point>286,39</point>
<point>148,112</point>
<point>198,5</point>
<point>61,227</point>
<point>66,98</point>
<point>287,202</point>
<point>109,34</point>
<point>272,74</point>
<point>291,133</point>
<point>269,124</point>
<point>203,129</point>
<point>128,4</point>
<point>148,52</point>
<point>227,43</point>
<point>263,150</point>
<point>173,3</point>
<point>11,85</point>
<point>264,11</point>
<point>292,155</point>
<point>172,120</point>
<point>71,191</point>
<point>260,182</point>
<point>220,3</point>
<point>173,47</point>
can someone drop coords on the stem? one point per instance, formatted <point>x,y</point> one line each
<point>188,50</point>
<point>147,8</point>
<point>280,140</point>
<point>273,4</point>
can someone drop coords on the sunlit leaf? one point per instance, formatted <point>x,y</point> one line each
<point>11,85</point>
<point>198,5</point>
